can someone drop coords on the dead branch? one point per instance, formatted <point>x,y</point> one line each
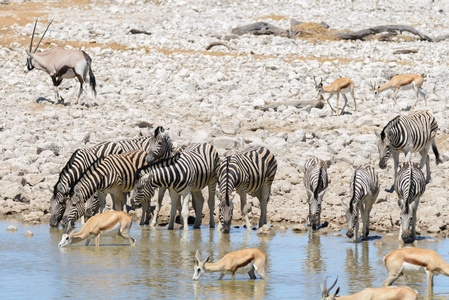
<point>260,28</point>
<point>298,104</point>
<point>359,35</point>
<point>138,31</point>
<point>213,44</point>
<point>406,51</point>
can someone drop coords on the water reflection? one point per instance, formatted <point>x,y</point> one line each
<point>314,262</point>
<point>231,289</point>
<point>358,266</point>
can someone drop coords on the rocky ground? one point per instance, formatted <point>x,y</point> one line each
<point>168,78</point>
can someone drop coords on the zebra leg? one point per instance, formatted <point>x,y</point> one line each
<point>396,164</point>
<point>174,203</point>
<point>160,197</point>
<point>415,209</point>
<point>244,209</point>
<point>425,160</point>
<point>145,212</point>
<point>185,209</point>
<point>199,203</point>
<point>211,204</point>
<point>102,199</point>
<point>263,194</point>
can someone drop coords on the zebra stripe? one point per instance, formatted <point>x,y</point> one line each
<point>114,174</point>
<point>251,171</point>
<point>408,134</point>
<point>410,185</point>
<point>187,172</point>
<point>364,188</point>
<point>315,181</point>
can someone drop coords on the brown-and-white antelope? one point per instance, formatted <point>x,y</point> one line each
<point>409,185</point>
<point>339,86</point>
<point>403,82</point>
<point>109,223</point>
<point>315,181</point>
<point>364,187</point>
<point>60,63</point>
<point>241,261</point>
<point>411,259</point>
<point>386,293</point>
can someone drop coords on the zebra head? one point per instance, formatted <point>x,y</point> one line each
<point>226,208</point>
<point>143,191</point>
<point>407,220</point>
<point>315,210</point>
<point>57,205</point>
<point>352,219</point>
<point>160,146</point>
<point>75,209</point>
<point>384,147</point>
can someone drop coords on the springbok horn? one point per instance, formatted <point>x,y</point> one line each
<point>332,286</point>
<point>32,36</point>
<point>313,78</point>
<point>35,49</point>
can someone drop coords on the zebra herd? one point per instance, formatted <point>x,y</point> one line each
<point>142,165</point>
<point>408,134</point>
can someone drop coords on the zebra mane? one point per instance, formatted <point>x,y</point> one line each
<point>390,124</point>
<point>65,170</point>
<point>351,202</point>
<point>411,188</point>
<point>87,172</point>
<point>156,164</point>
<point>319,185</point>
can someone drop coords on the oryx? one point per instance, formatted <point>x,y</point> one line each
<point>60,63</point>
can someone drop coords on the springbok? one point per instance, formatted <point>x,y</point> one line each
<point>388,293</point>
<point>60,63</point>
<point>241,261</point>
<point>109,223</point>
<point>403,82</point>
<point>339,86</point>
<point>413,259</point>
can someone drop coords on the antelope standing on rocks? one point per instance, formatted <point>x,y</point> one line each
<point>339,86</point>
<point>110,223</point>
<point>241,261</point>
<point>60,63</point>
<point>403,82</point>
<point>411,259</point>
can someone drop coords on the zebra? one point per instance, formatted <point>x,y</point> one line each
<point>409,185</point>
<point>158,146</point>
<point>364,187</point>
<point>114,174</point>
<point>315,181</point>
<point>408,134</point>
<point>187,172</point>
<point>80,160</point>
<point>251,171</point>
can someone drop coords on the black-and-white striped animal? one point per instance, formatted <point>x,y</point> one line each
<point>157,146</point>
<point>410,185</point>
<point>364,187</point>
<point>315,181</point>
<point>114,174</point>
<point>248,172</point>
<point>60,63</point>
<point>78,163</point>
<point>188,172</point>
<point>408,134</point>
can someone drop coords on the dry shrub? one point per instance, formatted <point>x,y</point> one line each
<point>315,32</point>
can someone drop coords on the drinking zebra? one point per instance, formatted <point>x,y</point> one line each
<point>188,172</point>
<point>249,172</point>
<point>158,146</point>
<point>408,134</point>
<point>409,185</point>
<point>114,174</point>
<point>315,181</point>
<point>364,187</point>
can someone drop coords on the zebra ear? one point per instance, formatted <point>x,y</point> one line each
<point>343,202</point>
<point>400,203</point>
<point>321,194</point>
<point>51,189</point>
<point>77,191</point>
<point>377,133</point>
<point>60,188</point>
<point>147,177</point>
<point>218,194</point>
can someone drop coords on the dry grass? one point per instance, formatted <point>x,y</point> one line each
<point>273,17</point>
<point>315,32</point>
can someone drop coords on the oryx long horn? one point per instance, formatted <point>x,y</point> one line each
<point>35,49</point>
<point>32,36</point>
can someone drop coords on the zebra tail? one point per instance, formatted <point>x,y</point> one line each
<point>435,151</point>
<point>320,184</point>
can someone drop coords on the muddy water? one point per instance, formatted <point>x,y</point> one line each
<point>160,266</point>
